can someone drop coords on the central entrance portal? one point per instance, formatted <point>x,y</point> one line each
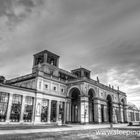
<point>75,105</point>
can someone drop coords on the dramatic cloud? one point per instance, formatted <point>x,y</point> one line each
<point>102,35</point>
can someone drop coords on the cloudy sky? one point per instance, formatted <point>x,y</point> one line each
<point>101,35</point>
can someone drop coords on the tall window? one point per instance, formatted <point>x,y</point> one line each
<point>16,108</point>
<point>132,116</point>
<point>44,110</point>
<point>117,114</point>
<point>61,111</point>
<point>28,112</point>
<point>53,111</point>
<point>102,113</point>
<point>137,116</point>
<point>3,106</point>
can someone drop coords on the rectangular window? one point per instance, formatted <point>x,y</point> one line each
<point>54,88</point>
<point>40,83</point>
<point>16,108</point>
<point>137,116</point>
<point>28,110</point>
<point>46,86</point>
<point>62,90</point>
<point>132,116</point>
<point>44,110</point>
<point>4,97</point>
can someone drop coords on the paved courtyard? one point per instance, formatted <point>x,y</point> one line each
<point>73,132</point>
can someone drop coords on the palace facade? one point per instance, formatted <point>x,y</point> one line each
<point>52,95</point>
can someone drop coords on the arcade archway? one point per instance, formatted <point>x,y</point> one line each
<point>91,95</point>
<point>109,108</point>
<point>123,110</point>
<point>75,105</point>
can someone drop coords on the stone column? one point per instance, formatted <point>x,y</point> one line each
<point>57,112</point>
<point>68,111</point>
<point>22,108</point>
<point>118,115</point>
<point>70,119</point>
<point>84,118</point>
<point>97,111</point>
<point>134,116</point>
<point>105,113</point>
<point>139,116</point>
<point>38,110</point>
<point>49,111</point>
<point>125,114</point>
<point>121,114</point>
<point>129,116</point>
<point>33,114</point>
<point>114,117</point>
<point>9,108</point>
<point>65,109</point>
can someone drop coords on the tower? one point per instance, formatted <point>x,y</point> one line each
<point>81,72</point>
<point>45,61</point>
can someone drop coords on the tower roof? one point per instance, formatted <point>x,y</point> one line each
<point>48,52</point>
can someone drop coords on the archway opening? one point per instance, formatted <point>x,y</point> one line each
<point>109,108</point>
<point>75,105</point>
<point>123,113</point>
<point>91,95</point>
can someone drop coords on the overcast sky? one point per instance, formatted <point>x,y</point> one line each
<point>101,35</point>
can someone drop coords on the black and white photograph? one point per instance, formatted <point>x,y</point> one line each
<point>69,69</point>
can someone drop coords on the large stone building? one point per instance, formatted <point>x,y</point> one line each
<point>52,95</point>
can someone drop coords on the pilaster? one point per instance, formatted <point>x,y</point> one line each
<point>134,115</point>
<point>49,111</point>
<point>65,109</point>
<point>9,108</point>
<point>97,109</point>
<point>22,108</point>
<point>126,114</point>
<point>105,113</point>
<point>57,112</point>
<point>114,115</point>
<point>121,114</point>
<point>68,110</point>
<point>84,110</point>
<point>38,110</point>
